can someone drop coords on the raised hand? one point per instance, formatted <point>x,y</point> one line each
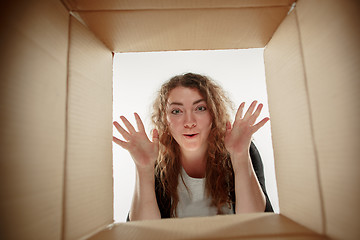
<point>143,151</point>
<point>238,136</point>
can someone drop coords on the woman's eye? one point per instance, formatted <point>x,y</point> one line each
<point>201,108</point>
<point>175,111</point>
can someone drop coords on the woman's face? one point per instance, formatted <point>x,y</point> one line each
<point>189,118</point>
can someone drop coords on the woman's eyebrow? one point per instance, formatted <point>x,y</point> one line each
<point>197,101</point>
<point>181,104</point>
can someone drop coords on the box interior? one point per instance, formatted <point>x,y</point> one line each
<point>56,112</point>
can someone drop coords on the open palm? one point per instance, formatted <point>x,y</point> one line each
<point>238,136</point>
<point>143,151</point>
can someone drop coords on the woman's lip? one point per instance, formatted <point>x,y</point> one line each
<point>190,135</point>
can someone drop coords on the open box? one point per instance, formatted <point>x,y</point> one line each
<point>56,112</point>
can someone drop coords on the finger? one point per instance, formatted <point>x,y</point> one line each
<point>122,131</point>
<point>128,125</point>
<point>250,110</point>
<point>139,123</point>
<point>259,124</point>
<point>256,114</point>
<point>240,111</point>
<point>155,136</point>
<point>228,130</point>
<point>228,126</point>
<point>121,143</point>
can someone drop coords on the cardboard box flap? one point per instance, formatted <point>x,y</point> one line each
<point>185,29</point>
<point>244,226</point>
<point>33,61</point>
<point>330,36</point>
<point>95,5</point>
<point>292,135</point>
<point>88,187</point>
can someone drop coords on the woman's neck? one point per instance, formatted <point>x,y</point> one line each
<point>194,163</point>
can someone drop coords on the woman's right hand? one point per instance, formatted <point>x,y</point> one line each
<point>143,151</point>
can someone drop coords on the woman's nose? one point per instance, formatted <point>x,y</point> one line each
<point>190,126</point>
<point>190,121</point>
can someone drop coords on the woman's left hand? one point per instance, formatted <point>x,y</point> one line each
<point>238,136</point>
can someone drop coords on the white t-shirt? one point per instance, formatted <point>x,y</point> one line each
<point>194,203</point>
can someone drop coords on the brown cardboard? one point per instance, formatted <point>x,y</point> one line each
<point>185,29</point>
<point>294,150</point>
<point>94,5</point>
<point>245,226</point>
<point>327,59</point>
<point>331,58</point>
<point>33,62</point>
<point>55,123</point>
<point>88,204</point>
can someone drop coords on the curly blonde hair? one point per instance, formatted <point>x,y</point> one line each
<point>219,173</point>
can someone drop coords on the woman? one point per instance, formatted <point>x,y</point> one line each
<point>198,163</point>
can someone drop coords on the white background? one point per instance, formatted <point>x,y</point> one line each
<point>137,78</point>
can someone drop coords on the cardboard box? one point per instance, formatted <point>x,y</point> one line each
<point>56,112</point>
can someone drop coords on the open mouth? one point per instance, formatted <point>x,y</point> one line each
<point>190,135</point>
